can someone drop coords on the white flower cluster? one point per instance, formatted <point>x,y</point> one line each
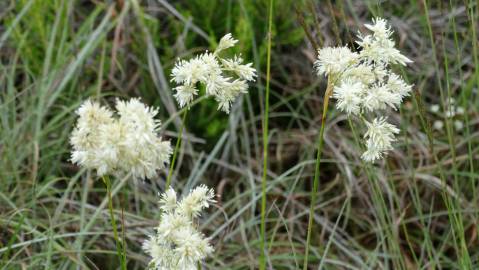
<point>452,111</point>
<point>364,84</point>
<point>119,145</point>
<point>379,137</point>
<point>223,78</point>
<point>178,245</point>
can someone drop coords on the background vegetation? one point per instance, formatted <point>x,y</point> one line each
<point>417,209</point>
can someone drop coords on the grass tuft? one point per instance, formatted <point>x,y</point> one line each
<point>417,209</point>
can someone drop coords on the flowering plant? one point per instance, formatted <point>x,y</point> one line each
<point>126,144</point>
<point>224,78</point>
<point>363,84</point>
<point>177,244</point>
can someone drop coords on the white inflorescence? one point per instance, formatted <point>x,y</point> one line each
<point>379,138</point>
<point>224,79</point>
<point>177,244</point>
<point>364,84</point>
<point>119,145</point>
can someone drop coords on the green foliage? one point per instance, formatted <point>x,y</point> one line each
<point>417,209</point>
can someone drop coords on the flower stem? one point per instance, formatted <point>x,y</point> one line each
<point>314,192</point>
<point>119,244</point>
<point>175,153</point>
<point>262,258</point>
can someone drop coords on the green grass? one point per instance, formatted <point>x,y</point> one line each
<point>265,130</point>
<point>418,209</point>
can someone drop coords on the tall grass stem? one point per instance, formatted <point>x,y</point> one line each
<point>175,153</point>
<point>262,265</point>
<point>119,244</point>
<point>319,150</point>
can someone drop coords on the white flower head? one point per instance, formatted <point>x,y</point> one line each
<point>191,247</point>
<point>438,125</point>
<point>215,84</point>
<point>379,96</point>
<point>84,137</point>
<point>137,116</point>
<point>380,28</point>
<point>87,136</point>
<point>363,73</point>
<point>161,256</point>
<point>178,244</point>
<point>334,60</point>
<point>226,42</point>
<point>190,72</point>
<point>199,198</point>
<point>450,112</point>
<point>170,225</point>
<point>185,94</point>
<point>245,72</point>
<point>229,92</point>
<point>168,200</point>
<point>92,114</point>
<point>349,94</point>
<point>144,151</point>
<point>458,125</point>
<point>224,78</point>
<point>122,145</point>
<point>379,138</point>
<point>111,148</point>
<point>434,108</point>
<point>379,47</point>
<point>363,83</point>
<point>397,85</point>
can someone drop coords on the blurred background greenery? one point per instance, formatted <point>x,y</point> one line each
<point>418,209</point>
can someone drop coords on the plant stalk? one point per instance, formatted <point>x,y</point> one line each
<point>262,259</point>
<point>314,192</point>
<point>175,153</point>
<point>119,244</point>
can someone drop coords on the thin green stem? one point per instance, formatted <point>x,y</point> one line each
<point>331,236</point>
<point>456,221</point>
<point>123,238</point>
<point>262,260</point>
<point>314,192</point>
<point>387,239</point>
<point>119,244</point>
<point>175,153</point>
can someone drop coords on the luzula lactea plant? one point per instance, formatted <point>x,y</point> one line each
<point>178,244</point>
<point>127,144</point>
<point>364,86</point>
<point>224,78</point>
<point>121,146</point>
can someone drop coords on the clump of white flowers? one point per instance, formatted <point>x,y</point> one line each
<point>364,85</point>
<point>223,78</point>
<point>126,143</point>
<point>379,137</point>
<point>178,244</point>
<point>452,111</point>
